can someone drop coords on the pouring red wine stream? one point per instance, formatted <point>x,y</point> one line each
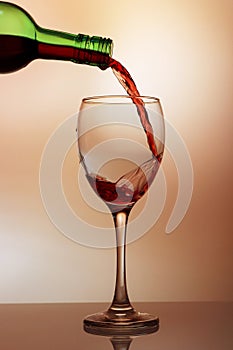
<point>130,87</point>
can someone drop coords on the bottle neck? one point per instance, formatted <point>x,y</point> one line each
<point>80,48</point>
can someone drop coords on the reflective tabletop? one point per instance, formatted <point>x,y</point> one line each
<point>183,325</point>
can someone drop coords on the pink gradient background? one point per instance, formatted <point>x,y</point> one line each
<point>180,51</point>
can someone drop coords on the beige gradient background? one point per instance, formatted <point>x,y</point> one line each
<point>178,50</point>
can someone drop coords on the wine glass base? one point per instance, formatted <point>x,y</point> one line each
<point>137,324</point>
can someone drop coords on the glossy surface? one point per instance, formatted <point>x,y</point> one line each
<point>59,326</point>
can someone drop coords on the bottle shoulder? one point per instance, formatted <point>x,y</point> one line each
<point>16,21</point>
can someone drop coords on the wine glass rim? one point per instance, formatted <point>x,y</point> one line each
<point>119,99</point>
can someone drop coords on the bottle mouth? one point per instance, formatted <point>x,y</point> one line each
<point>107,46</point>
<point>94,50</point>
<point>95,43</point>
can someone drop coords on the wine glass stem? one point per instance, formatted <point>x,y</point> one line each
<point>121,301</point>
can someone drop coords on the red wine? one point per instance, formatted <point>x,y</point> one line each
<point>129,188</point>
<point>17,52</point>
<point>130,87</point>
<point>48,51</point>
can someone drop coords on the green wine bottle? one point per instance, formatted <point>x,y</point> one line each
<point>22,41</point>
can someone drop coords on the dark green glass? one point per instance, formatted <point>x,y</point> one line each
<point>22,41</point>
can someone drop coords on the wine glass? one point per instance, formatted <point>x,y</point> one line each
<point>120,143</point>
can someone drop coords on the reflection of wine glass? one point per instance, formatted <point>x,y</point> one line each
<point>122,339</point>
<point>119,342</point>
<point>121,147</point>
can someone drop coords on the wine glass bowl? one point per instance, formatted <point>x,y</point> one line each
<point>120,143</point>
<point>114,149</point>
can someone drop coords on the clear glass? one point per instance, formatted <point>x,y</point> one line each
<point>120,166</point>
